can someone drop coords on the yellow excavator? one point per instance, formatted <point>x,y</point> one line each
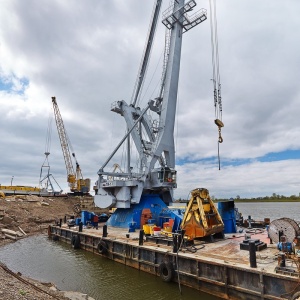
<point>201,218</point>
<point>78,185</point>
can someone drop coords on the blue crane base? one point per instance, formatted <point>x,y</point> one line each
<point>133,218</point>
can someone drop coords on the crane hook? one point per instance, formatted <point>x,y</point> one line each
<point>220,124</point>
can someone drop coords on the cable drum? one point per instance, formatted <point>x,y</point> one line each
<point>289,227</point>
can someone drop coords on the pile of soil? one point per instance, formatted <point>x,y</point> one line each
<point>23,216</point>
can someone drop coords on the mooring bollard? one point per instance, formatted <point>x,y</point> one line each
<point>141,237</point>
<point>65,219</point>
<point>181,238</point>
<point>80,227</point>
<point>175,243</point>
<point>282,260</point>
<point>252,254</point>
<point>249,221</point>
<point>60,221</point>
<point>104,234</point>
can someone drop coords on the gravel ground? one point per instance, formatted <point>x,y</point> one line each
<point>15,286</point>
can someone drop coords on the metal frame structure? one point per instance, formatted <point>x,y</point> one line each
<point>154,144</point>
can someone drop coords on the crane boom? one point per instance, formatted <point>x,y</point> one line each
<point>64,144</point>
<point>76,183</point>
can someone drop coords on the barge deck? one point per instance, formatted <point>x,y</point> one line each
<point>216,267</point>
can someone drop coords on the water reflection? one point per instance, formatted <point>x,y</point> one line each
<point>78,270</point>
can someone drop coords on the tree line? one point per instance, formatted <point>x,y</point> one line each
<point>273,198</point>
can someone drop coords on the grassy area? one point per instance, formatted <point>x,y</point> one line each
<point>273,198</point>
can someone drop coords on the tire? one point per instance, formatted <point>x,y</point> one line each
<point>102,247</point>
<point>296,296</point>
<point>75,241</point>
<point>166,271</point>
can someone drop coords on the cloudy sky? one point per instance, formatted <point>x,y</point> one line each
<point>87,54</point>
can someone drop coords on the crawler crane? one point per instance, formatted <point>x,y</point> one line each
<point>78,185</point>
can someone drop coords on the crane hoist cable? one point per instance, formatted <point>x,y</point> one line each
<point>49,133</point>
<point>216,72</point>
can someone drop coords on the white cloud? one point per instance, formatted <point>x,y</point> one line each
<point>87,54</point>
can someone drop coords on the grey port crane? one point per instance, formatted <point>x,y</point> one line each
<point>154,140</point>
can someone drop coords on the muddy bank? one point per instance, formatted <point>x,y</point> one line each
<point>23,216</point>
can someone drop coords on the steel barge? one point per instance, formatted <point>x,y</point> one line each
<point>219,268</point>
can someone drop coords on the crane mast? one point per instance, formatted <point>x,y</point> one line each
<point>76,183</point>
<point>154,140</point>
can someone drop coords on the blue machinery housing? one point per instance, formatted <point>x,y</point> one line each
<point>159,211</point>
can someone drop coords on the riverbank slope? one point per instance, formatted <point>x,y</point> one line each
<point>23,216</point>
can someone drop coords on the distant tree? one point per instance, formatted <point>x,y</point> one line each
<point>238,197</point>
<point>274,195</point>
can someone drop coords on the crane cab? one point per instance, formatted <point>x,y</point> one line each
<point>164,176</point>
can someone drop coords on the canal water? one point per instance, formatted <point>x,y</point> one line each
<point>40,258</point>
<point>76,270</point>
<point>273,210</point>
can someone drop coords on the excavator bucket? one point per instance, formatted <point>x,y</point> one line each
<point>201,218</point>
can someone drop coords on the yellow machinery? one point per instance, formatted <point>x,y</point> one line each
<point>201,218</point>
<point>77,184</point>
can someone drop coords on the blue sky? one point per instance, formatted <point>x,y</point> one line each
<point>13,85</point>
<point>268,157</point>
<point>89,57</point>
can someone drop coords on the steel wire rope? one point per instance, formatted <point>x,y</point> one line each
<point>177,108</point>
<point>123,155</point>
<point>213,55</point>
<point>141,63</point>
<point>254,230</point>
<point>177,265</point>
<point>154,72</point>
<point>49,134</point>
<point>215,60</point>
<point>140,98</point>
<point>216,73</point>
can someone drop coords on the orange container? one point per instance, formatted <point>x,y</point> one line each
<point>166,224</point>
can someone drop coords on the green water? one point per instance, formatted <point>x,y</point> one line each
<point>77,270</point>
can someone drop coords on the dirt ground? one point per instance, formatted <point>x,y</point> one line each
<point>23,216</point>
